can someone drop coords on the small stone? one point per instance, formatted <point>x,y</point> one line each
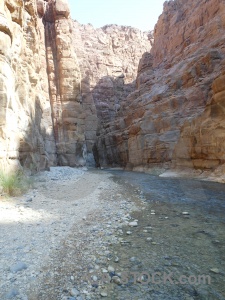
<point>215,270</point>
<point>104,294</point>
<point>74,292</point>
<point>149,239</point>
<point>145,231</point>
<point>133,259</point>
<point>18,267</point>
<point>129,232</point>
<point>111,269</point>
<point>116,280</point>
<point>154,243</point>
<point>84,218</point>
<point>133,224</point>
<point>104,271</point>
<point>185,213</point>
<point>11,294</point>
<point>29,200</point>
<point>116,259</point>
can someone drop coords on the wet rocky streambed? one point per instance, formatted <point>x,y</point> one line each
<point>177,251</point>
<point>116,235</point>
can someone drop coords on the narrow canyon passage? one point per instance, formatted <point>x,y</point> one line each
<point>115,235</point>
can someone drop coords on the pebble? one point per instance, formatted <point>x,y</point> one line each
<point>104,294</point>
<point>111,269</point>
<point>18,267</point>
<point>133,259</point>
<point>133,224</point>
<point>149,239</point>
<point>185,213</point>
<point>11,294</point>
<point>215,270</point>
<point>116,280</point>
<point>104,271</point>
<point>74,292</point>
<point>29,200</point>
<point>116,259</point>
<point>129,232</point>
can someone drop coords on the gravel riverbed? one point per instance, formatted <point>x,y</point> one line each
<point>49,236</point>
<point>97,234</point>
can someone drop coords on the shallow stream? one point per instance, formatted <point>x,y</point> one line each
<point>177,251</point>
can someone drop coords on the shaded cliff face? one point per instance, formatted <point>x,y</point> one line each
<point>26,135</point>
<point>40,109</point>
<point>108,58</point>
<point>51,103</point>
<point>71,94</point>
<point>64,84</point>
<point>176,115</point>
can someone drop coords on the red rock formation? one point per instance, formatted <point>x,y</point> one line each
<point>64,84</point>
<point>175,117</point>
<point>170,115</point>
<point>108,58</point>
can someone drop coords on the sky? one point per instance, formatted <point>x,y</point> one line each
<point>142,14</point>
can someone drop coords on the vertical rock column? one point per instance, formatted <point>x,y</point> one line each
<point>64,85</point>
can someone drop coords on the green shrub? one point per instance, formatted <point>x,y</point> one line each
<point>14,184</point>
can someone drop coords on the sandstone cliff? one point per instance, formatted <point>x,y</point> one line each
<point>108,58</point>
<point>26,134</point>
<point>71,94</point>
<point>64,84</point>
<point>176,115</point>
<point>59,81</point>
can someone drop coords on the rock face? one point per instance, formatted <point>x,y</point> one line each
<point>108,58</point>
<point>175,117</point>
<point>26,135</point>
<point>74,95</point>
<point>51,103</point>
<point>64,84</point>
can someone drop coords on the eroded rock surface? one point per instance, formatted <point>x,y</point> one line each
<point>64,85</point>
<point>108,58</point>
<point>176,115</point>
<point>52,102</point>
<point>26,135</point>
<point>74,95</point>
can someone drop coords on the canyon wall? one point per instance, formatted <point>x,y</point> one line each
<point>59,82</point>
<point>26,133</point>
<point>74,95</point>
<point>175,117</point>
<point>108,58</point>
<point>64,84</point>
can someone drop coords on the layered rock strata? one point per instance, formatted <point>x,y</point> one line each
<point>51,103</point>
<point>26,135</point>
<point>71,94</point>
<point>108,58</point>
<point>175,117</point>
<point>64,84</point>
